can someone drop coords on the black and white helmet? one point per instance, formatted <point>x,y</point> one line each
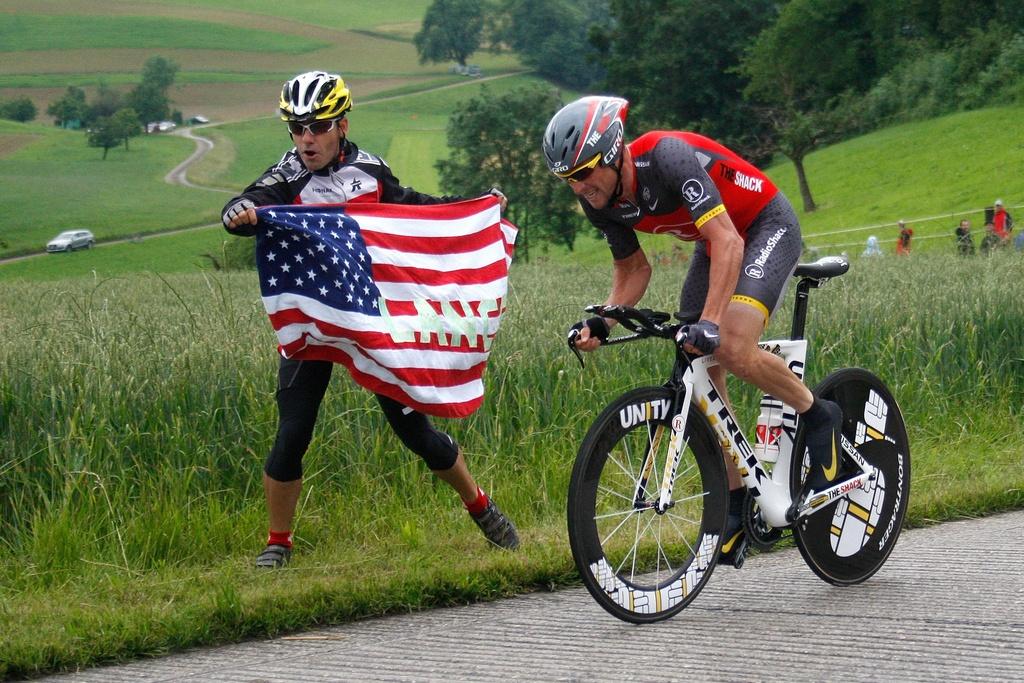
<point>585,132</point>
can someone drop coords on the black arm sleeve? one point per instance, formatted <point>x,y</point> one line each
<point>622,239</point>
<point>274,186</point>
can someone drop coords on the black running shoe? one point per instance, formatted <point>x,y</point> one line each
<point>825,449</point>
<point>498,528</point>
<point>274,556</point>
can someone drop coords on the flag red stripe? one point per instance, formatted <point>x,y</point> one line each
<point>432,245</point>
<point>409,308</point>
<point>452,211</point>
<point>425,276</point>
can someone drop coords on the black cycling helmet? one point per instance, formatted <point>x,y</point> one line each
<point>584,133</point>
<point>314,96</point>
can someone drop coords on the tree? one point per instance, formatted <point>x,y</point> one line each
<point>497,141</point>
<point>149,98</point>
<point>105,134</point>
<point>675,61</point>
<point>125,123</point>
<point>798,133</point>
<point>801,66</point>
<point>104,104</point>
<point>159,72</point>
<point>19,109</point>
<point>69,108</point>
<point>452,30</point>
<point>151,103</point>
<point>552,36</point>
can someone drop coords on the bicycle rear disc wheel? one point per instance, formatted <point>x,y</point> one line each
<point>851,539</point>
<point>639,565</point>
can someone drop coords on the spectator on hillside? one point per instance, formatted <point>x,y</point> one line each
<point>872,248</point>
<point>1018,241</point>
<point>1002,221</point>
<point>990,242</point>
<point>903,241</point>
<point>964,241</point>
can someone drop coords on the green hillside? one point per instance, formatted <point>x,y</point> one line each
<point>927,173</point>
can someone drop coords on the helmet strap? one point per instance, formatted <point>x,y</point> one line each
<point>613,199</point>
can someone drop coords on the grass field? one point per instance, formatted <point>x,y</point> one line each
<point>237,46</point>
<point>137,411</point>
<point>71,186</point>
<point>180,252</point>
<point>26,32</point>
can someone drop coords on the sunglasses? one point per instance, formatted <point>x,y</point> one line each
<point>581,172</point>
<point>315,128</point>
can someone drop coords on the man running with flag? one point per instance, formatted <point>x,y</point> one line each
<point>404,298</point>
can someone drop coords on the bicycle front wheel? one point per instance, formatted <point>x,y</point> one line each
<point>848,543</point>
<point>640,563</point>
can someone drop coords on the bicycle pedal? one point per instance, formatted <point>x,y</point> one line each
<point>740,555</point>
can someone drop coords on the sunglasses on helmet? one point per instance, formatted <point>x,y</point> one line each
<point>316,127</point>
<point>581,172</point>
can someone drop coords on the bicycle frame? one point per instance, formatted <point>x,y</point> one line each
<point>768,485</point>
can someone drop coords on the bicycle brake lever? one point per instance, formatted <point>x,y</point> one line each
<point>573,334</point>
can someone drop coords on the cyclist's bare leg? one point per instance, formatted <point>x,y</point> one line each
<point>282,498</point>
<point>740,329</point>
<point>458,477</point>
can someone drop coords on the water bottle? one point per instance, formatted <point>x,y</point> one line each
<point>769,429</point>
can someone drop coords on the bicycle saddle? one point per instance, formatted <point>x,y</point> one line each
<point>825,267</point>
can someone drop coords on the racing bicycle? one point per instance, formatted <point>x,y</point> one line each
<point>648,497</point>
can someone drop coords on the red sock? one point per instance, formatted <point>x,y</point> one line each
<point>280,538</point>
<point>477,507</point>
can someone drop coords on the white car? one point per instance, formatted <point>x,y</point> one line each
<point>69,240</point>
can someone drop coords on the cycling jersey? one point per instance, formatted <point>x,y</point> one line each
<point>682,181</point>
<point>356,176</point>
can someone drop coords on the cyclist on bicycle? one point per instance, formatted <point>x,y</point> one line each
<point>748,243</point>
<point>326,167</point>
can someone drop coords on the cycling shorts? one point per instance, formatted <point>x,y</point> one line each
<point>771,252</point>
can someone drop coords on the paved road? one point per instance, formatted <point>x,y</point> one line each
<point>947,606</point>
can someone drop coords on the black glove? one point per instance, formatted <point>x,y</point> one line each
<point>702,336</point>
<point>598,328</point>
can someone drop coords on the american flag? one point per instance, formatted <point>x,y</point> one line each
<point>407,297</point>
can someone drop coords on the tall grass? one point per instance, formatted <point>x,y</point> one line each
<point>135,414</point>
